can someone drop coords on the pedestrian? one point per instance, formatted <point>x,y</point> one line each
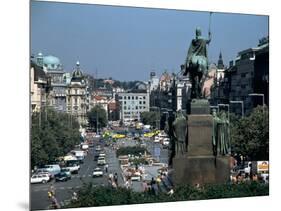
<point>114,185</point>
<point>144,186</point>
<point>115,177</point>
<point>106,168</point>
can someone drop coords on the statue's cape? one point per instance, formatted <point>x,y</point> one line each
<point>198,47</point>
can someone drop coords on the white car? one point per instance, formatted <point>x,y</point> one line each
<point>102,154</point>
<point>101,161</point>
<point>39,178</point>
<point>97,172</point>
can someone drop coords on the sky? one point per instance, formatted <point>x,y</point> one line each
<point>127,43</point>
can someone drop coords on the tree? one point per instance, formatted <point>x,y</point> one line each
<point>150,118</point>
<point>97,117</point>
<point>250,135</point>
<point>53,134</point>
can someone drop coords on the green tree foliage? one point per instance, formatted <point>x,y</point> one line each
<point>97,114</point>
<point>131,150</point>
<point>250,135</point>
<point>53,134</point>
<point>150,118</point>
<point>89,195</point>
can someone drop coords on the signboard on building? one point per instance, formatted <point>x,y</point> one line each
<point>262,166</point>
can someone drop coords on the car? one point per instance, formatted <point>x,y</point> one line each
<point>101,161</point>
<point>102,154</point>
<point>62,177</point>
<point>39,178</point>
<point>98,148</point>
<point>96,157</point>
<point>53,169</point>
<point>43,171</point>
<point>97,172</point>
<point>67,171</point>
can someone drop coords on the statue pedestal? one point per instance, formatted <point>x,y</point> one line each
<point>199,165</point>
<point>194,170</point>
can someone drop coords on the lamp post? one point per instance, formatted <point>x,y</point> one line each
<point>225,105</point>
<point>242,105</point>
<point>259,95</point>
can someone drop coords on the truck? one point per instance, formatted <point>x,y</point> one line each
<point>73,166</point>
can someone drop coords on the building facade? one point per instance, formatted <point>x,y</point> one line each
<point>77,96</point>
<point>38,87</point>
<point>132,105</point>
<point>53,67</point>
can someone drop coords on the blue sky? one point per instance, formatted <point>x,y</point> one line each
<point>128,43</point>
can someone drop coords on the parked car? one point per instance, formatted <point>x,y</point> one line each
<point>96,157</point>
<point>98,148</point>
<point>73,167</point>
<point>62,177</point>
<point>43,171</point>
<point>101,161</point>
<point>97,172</point>
<point>39,178</point>
<point>53,169</point>
<point>102,154</point>
<point>67,171</point>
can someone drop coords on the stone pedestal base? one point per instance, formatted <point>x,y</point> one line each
<point>201,170</point>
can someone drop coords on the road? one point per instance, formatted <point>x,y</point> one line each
<point>64,190</point>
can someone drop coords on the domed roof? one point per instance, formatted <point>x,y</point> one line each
<point>51,62</point>
<point>77,74</point>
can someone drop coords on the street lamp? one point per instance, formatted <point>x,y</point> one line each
<point>242,105</point>
<point>225,105</point>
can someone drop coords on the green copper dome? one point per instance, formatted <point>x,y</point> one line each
<point>51,62</point>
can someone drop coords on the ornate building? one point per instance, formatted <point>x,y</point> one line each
<point>76,96</point>
<point>53,67</point>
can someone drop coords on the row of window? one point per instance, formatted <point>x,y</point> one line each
<point>76,91</point>
<point>131,97</point>
<point>133,108</point>
<point>140,102</point>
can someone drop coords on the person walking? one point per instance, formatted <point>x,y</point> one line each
<point>106,168</point>
<point>115,178</point>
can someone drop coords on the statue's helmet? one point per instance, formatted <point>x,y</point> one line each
<point>198,32</point>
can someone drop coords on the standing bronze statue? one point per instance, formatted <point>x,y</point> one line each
<point>196,64</point>
<point>180,133</point>
<point>221,134</point>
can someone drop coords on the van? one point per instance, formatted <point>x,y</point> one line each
<point>53,169</point>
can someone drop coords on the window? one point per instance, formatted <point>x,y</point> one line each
<point>143,102</point>
<point>76,91</point>
<point>125,97</point>
<point>120,97</point>
<point>136,97</point>
<point>125,107</point>
<point>143,97</point>
<point>243,75</point>
<point>140,102</point>
<point>137,108</point>
<point>129,98</point>
<point>125,102</point>
<point>133,97</point>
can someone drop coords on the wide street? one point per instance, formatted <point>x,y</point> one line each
<point>64,190</point>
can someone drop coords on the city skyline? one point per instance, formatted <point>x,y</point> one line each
<point>128,43</point>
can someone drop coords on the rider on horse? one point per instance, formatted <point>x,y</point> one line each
<point>196,63</point>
